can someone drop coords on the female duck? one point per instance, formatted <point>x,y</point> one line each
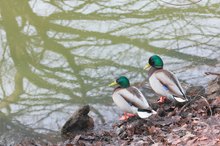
<point>163,82</point>
<point>130,99</point>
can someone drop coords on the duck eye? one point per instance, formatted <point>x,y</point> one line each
<point>151,61</point>
<point>117,81</point>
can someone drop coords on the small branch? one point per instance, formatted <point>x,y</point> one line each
<point>208,105</point>
<point>151,139</point>
<point>184,4</point>
<point>192,101</point>
<point>212,73</point>
<point>187,104</point>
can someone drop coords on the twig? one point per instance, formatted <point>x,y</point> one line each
<point>187,104</point>
<point>185,4</point>
<point>76,139</point>
<point>208,105</point>
<point>194,99</point>
<point>151,139</point>
<point>212,73</point>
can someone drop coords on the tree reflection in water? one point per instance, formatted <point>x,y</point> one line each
<point>57,55</point>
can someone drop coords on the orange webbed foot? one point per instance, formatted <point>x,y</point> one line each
<point>161,100</point>
<point>126,116</point>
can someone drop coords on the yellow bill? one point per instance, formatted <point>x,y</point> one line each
<point>147,66</point>
<point>113,84</point>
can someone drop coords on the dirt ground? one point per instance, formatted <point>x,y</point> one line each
<point>195,124</point>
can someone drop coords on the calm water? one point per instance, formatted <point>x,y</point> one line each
<point>58,55</point>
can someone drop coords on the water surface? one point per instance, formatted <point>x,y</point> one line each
<point>58,55</point>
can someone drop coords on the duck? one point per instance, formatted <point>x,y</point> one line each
<point>163,82</point>
<point>130,99</point>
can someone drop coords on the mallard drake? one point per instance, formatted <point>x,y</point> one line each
<point>130,99</point>
<point>163,82</point>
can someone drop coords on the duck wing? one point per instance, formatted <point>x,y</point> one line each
<point>170,82</point>
<point>134,96</point>
<point>132,100</point>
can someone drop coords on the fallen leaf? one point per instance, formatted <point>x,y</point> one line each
<point>202,138</point>
<point>188,136</point>
<point>177,141</point>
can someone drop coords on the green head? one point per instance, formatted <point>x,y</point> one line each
<point>155,61</point>
<point>122,81</point>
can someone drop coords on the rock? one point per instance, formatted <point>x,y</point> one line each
<point>214,88</point>
<point>78,123</point>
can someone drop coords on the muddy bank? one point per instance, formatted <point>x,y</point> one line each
<point>196,123</point>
